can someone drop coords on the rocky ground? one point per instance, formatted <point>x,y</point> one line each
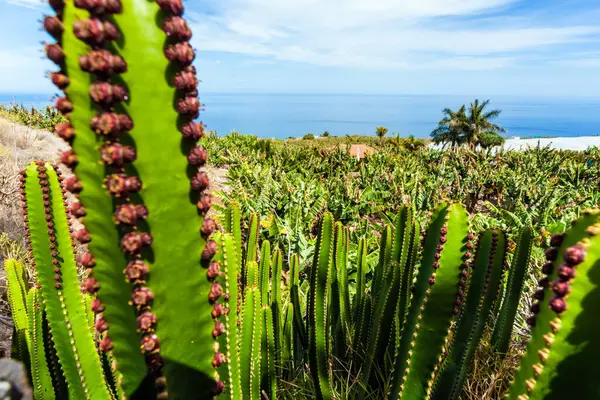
<point>18,146</point>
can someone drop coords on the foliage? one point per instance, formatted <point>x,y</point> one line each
<point>381,131</point>
<point>47,118</point>
<point>308,136</point>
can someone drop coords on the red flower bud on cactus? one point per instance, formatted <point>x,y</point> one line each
<point>117,155</point>
<point>55,53</point>
<point>106,344</point>
<point>431,281</point>
<point>217,310</point>
<point>102,62</point>
<point>197,156</point>
<point>192,130</point>
<point>216,291</point>
<point>136,270</point>
<point>208,227</point>
<point>443,230</point>
<point>218,360</point>
<point>560,288</point>
<point>204,203</point>
<point>73,185</point>
<point>83,236</point>
<point>95,31</point>
<point>210,249</point>
<point>185,81</point>
<point>142,297</point>
<point>436,264</point>
<point>119,184</point>
<point>213,270</point>
<point>189,106</point>
<point>565,272</point>
<point>439,247</point>
<point>539,294</point>
<point>551,253</point>
<point>77,210</point>
<point>68,158</point>
<point>126,214</point>
<point>111,123</point>
<point>177,28</point>
<point>469,245</point>
<point>544,282</point>
<point>558,304</point>
<point>97,306</point>
<point>547,268</point>
<point>556,240</point>
<point>174,7</point>
<point>91,285</point>
<point>150,343</point>
<point>146,321</point>
<point>574,255</point>
<point>87,260</point>
<point>535,308</point>
<point>59,80</point>
<point>64,130</point>
<point>470,236</point>
<point>200,181</point>
<point>183,53</point>
<point>101,325</point>
<point>218,330</point>
<point>100,6</point>
<point>443,239</point>
<point>133,242</point>
<point>106,94</point>
<point>63,105</point>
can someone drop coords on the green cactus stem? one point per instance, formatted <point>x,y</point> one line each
<point>17,299</point>
<point>41,379</point>
<point>265,272</point>
<point>269,376</point>
<point>514,286</point>
<point>250,346</point>
<point>318,346</point>
<point>299,326</point>
<point>341,269</point>
<point>289,340</point>
<point>433,303</point>
<point>361,277</point>
<point>560,360</point>
<point>56,271</point>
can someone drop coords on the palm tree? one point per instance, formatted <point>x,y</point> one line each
<point>380,131</point>
<point>451,129</point>
<point>479,123</point>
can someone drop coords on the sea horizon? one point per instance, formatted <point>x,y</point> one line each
<point>282,115</point>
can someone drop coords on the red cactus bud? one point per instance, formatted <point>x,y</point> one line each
<point>439,247</point>
<point>136,270</point>
<point>185,81</point>
<point>218,330</point>
<point>210,249</point>
<point>141,211</point>
<point>468,255</point>
<point>469,245</point>
<point>547,268</point>
<point>97,306</point>
<point>216,291</point>
<point>101,325</point>
<point>56,270</point>
<point>558,304</point>
<point>462,283</point>
<point>188,105</point>
<point>556,240</point>
<point>142,296</point>
<point>218,360</point>
<point>146,321</point>
<point>551,253</point>
<point>437,256</point>
<point>192,130</point>
<point>544,282</point>
<point>574,255</point>
<point>57,277</point>
<point>535,308</point>
<point>117,155</point>
<point>102,62</point>
<point>217,310</point>
<point>72,184</point>
<point>197,156</point>
<point>213,270</point>
<point>64,130</point>
<point>436,265</point>
<point>111,123</point>
<point>431,281</point>
<point>204,203</point>
<point>565,272</point>
<point>443,230</point>
<point>177,28</point>
<point>87,260</point>
<point>53,26</point>
<point>107,94</point>
<point>77,210</point>
<point>200,181</point>
<point>91,285</point>
<point>539,294</point>
<point>106,344</point>
<point>63,105</point>
<point>55,53</point>
<point>133,242</point>
<point>208,227</point>
<point>443,239</point>
<point>530,320</point>
<point>470,236</point>
<point>95,31</point>
<point>119,184</point>
<point>150,343</point>
<point>61,81</point>
<point>100,6</point>
<point>126,214</point>
<point>183,53</point>
<point>464,273</point>
<point>175,7</point>
<point>68,158</point>
<point>83,236</point>
<point>560,288</point>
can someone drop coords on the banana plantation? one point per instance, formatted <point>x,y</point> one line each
<point>412,273</point>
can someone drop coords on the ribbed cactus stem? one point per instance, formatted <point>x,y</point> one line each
<point>41,379</point>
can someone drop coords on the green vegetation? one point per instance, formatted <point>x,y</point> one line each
<point>47,118</point>
<point>327,277</point>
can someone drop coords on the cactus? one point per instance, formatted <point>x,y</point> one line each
<point>250,346</point>
<point>514,286</point>
<point>17,298</point>
<point>41,379</point>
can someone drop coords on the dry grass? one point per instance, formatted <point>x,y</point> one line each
<point>18,146</point>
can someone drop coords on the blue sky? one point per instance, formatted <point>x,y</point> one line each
<point>477,47</point>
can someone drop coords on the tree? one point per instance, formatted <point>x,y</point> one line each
<point>380,131</point>
<point>451,128</point>
<point>491,139</point>
<point>308,136</point>
<point>479,122</point>
<point>325,134</point>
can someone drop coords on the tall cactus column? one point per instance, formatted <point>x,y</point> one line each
<point>131,100</point>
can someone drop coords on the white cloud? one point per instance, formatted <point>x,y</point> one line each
<point>34,4</point>
<point>377,33</point>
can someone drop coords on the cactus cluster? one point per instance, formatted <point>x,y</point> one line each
<point>173,307</point>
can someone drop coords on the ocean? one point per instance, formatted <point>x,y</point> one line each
<point>294,115</point>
